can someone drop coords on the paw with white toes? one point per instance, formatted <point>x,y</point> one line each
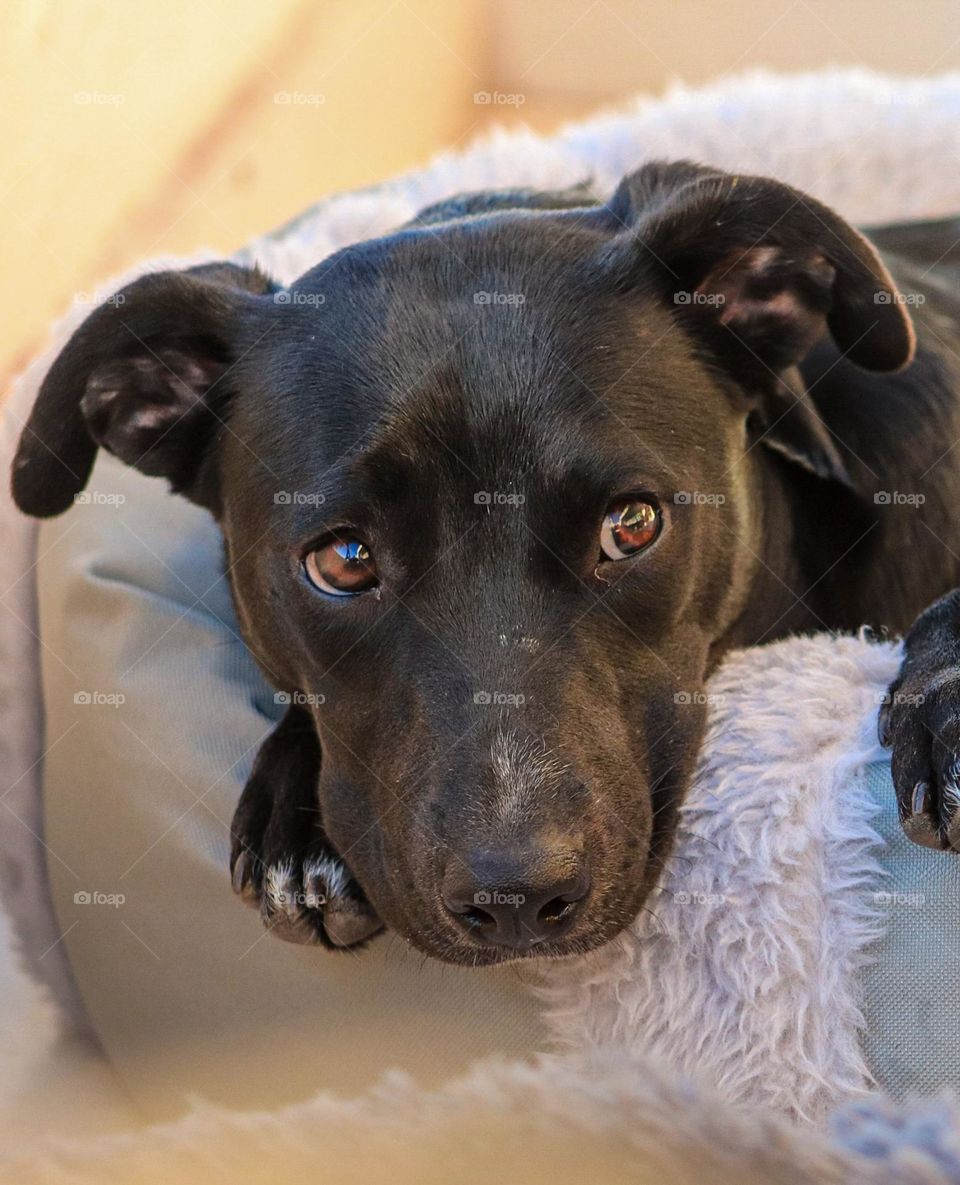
<point>282,863</point>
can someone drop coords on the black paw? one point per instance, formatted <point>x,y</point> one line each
<point>920,721</point>
<point>304,897</point>
<point>282,863</point>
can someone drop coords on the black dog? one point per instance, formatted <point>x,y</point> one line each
<point>500,489</point>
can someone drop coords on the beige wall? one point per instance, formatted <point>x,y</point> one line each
<point>144,126</point>
<point>567,53</point>
<point>136,127</point>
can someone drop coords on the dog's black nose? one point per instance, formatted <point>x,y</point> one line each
<point>517,901</point>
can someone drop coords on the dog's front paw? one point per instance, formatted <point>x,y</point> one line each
<point>920,721</point>
<point>304,896</point>
<point>281,861</point>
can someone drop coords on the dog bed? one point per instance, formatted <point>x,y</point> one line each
<point>756,972</point>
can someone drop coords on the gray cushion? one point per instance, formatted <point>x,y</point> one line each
<point>911,986</point>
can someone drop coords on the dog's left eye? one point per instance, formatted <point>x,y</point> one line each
<point>628,527</point>
<point>342,568</point>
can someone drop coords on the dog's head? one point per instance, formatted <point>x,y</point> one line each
<point>491,507</point>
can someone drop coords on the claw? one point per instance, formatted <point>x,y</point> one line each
<point>950,803</point>
<point>918,825</point>
<point>884,727</point>
<point>241,878</point>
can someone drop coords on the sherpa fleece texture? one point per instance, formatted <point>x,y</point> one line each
<point>599,1120</point>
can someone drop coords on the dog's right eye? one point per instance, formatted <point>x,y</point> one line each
<point>630,526</point>
<point>342,568</point>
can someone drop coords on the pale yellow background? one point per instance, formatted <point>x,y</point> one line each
<point>136,127</point>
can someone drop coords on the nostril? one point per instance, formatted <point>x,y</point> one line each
<point>556,911</point>
<point>475,918</point>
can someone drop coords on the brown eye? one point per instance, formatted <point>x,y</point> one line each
<point>629,527</point>
<point>342,568</point>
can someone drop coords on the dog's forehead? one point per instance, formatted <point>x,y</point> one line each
<point>506,277</point>
<point>481,350</point>
<point>517,306</point>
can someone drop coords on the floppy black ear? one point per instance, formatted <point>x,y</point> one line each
<point>759,273</point>
<point>146,377</point>
<point>761,270</point>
